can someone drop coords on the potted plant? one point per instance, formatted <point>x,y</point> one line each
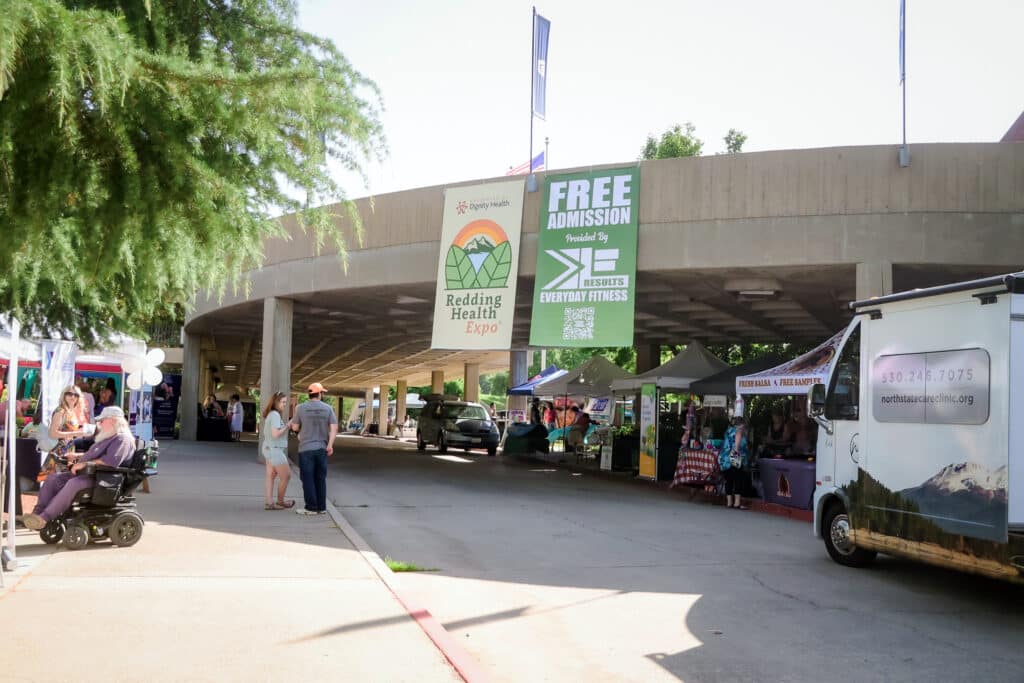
<point>625,447</point>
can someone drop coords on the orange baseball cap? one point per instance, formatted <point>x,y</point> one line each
<point>317,388</point>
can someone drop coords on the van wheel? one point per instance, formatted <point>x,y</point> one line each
<point>442,447</point>
<point>421,445</point>
<point>838,542</point>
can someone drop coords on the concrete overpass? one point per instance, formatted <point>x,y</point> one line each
<point>817,228</point>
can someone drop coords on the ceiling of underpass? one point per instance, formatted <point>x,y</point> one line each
<point>352,339</point>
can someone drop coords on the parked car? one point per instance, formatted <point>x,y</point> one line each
<point>446,422</point>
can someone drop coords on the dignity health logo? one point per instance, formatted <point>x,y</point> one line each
<point>480,257</point>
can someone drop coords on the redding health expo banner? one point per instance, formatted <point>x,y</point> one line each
<point>478,266</point>
<point>586,259</point>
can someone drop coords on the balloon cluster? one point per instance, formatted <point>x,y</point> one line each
<point>144,369</point>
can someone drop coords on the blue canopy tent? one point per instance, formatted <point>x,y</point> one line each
<point>547,374</point>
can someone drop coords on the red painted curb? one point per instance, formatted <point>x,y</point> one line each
<point>464,664</point>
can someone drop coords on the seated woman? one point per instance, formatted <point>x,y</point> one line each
<point>777,438</point>
<point>212,409</point>
<point>114,446</point>
<point>579,425</point>
<point>805,434</point>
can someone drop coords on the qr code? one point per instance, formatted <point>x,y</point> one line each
<point>578,323</point>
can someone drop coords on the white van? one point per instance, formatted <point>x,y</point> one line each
<point>921,446</point>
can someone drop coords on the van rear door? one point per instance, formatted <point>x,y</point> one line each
<point>1015,483</point>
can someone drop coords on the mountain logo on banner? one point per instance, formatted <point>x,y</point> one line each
<point>480,257</point>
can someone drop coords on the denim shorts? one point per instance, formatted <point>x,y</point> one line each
<point>275,456</point>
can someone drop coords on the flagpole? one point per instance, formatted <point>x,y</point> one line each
<point>533,76</point>
<point>904,151</point>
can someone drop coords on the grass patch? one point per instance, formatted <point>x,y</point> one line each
<point>399,566</point>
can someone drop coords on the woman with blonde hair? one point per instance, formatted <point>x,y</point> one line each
<point>275,448</point>
<point>66,422</point>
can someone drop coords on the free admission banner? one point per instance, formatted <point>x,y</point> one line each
<point>586,260</point>
<point>478,265</point>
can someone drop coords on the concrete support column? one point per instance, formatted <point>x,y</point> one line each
<point>276,360</point>
<point>874,279</point>
<point>437,381</point>
<point>191,370</point>
<point>204,375</point>
<point>367,410</point>
<point>382,410</point>
<point>648,357</point>
<point>471,376</point>
<point>517,369</point>
<point>401,389</point>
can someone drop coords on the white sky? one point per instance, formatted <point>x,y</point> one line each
<point>455,76</point>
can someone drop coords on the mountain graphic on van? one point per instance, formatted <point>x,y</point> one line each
<point>964,498</point>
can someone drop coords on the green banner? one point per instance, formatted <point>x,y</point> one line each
<point>586,259</point>
<point>648,431</point>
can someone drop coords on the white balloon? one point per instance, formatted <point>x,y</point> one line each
<point>132,365</point>
<point>155,357</point>
<point>134,381</point>
<point>152,376</point>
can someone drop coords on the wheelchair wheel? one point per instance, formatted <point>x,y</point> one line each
<point>76,537</point>
<point>126,529</point>
<point>52,532</point>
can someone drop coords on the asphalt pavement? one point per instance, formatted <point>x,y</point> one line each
<point>547,574</point>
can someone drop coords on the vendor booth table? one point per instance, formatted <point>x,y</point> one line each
<point>788,482</point>
<point>698,468</point>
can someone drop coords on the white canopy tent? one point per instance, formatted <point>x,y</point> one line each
<point>794,377</point>
<point>593,378</point>
<point>12,346</point>
<point>694,363</point>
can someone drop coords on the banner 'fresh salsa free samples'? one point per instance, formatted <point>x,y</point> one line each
<point>586,259</point>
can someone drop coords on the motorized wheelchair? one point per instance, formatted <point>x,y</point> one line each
<point>108,509</point>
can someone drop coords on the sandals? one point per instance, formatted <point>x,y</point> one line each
<point>280,505</point>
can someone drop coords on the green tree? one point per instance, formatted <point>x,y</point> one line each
<point>146,148</point>
<point>734,141</point>
<point>677,141</point>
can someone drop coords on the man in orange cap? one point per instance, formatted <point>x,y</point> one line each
<point>317,426</point>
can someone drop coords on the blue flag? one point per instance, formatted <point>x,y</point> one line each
<point>903,39</point>
<point>541,29</point>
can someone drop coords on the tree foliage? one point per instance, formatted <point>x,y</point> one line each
<point>677,141</point>
<point>146,148</point>
<point>734,141</point>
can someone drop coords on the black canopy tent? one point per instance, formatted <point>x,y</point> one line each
<point>724,382</point>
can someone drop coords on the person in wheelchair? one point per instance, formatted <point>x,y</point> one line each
<point>114,446</point>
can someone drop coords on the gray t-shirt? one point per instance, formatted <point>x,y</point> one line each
<point>314,419</point>
<point>274,421</point>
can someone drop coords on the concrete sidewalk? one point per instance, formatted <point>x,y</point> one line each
<point>217,589</point>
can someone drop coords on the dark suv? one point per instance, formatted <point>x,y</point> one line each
<point>447,422</point>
